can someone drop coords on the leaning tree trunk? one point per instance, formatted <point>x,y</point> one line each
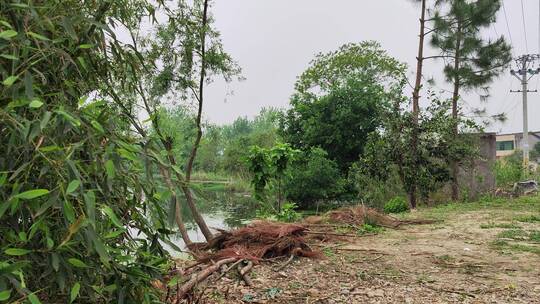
<point>415,102</point>
<point>200,98</point>
<point>177,209</point>
<point>454,167</point>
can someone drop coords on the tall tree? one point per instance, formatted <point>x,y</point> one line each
<point>416,95</point>
<point>187,53</point>
<point>337,100</point>
<point>471,61</point>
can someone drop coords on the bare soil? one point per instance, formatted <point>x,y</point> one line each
<point>461,259</point>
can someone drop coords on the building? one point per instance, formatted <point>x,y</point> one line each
<point>507,144</point>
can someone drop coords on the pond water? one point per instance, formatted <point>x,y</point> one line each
<point>220,209</point>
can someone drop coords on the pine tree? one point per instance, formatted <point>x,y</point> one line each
<point>416,96</point>
<point>471,61</point>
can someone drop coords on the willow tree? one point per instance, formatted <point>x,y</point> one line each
<point>471,60</point>
<point>187,54</point>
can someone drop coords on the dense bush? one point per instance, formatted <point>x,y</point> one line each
<point>76,189</point>
<point>313,177</point>
<point>339,99</point>
<point>396,205</point>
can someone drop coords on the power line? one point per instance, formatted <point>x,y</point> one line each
<point>507,24</point>
<point>524,27</point>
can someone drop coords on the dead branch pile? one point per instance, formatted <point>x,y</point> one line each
<point>360,215</point>
<point>265,240</point>
<point>260,240</point>
<point>239,249</point>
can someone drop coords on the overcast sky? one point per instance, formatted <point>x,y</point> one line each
<point>274,41</point>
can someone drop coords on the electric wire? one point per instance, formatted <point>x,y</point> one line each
<point>507,25</point>
<point>524,27</point>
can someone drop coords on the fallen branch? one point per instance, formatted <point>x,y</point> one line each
<point>464,293</point>
<point>201,276</point>
<point>338,234</point>
<point>243,271</point>
<point>281,267</point>
<point>229,269</point>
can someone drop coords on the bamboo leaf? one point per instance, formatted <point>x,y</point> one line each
<point>8,34</point>
<point>10,81</point>
<point>77,263</point>
<point>74,292</point>
<point>97,126</point>
<point>31,194</point>
<point>90,202</point>
<point>109,167</point>
<point>73,185</point>
<point>33,299</point>
<point>5,295</point>
<point>17,251</point>
<point>38,36</point>
<point>35,104</point>
<point>110,213</point>
<point>10,57</point>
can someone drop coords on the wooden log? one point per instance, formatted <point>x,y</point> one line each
<point>201,276</point>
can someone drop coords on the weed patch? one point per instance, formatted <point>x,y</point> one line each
<point>514,234</point>
<point>500,225</point>
<point>528,219</point>
<point>369,229</point>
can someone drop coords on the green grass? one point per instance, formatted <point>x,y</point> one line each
<point>534,236</point>
<point>514,234</point>
<point>491,205</point>
<point>491,225</point>
<point>528,219</point>
<point>369,229</point>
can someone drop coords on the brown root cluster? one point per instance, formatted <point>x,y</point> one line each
<point>237,250</point>
<point>260,240</point>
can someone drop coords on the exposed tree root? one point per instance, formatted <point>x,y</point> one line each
<point>199,277</point>
<point>242,248</point>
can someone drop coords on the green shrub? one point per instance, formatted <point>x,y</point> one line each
<point>313,177</point>
<point>396,205</point>
<point>288,213</point>
<point>508,171</point>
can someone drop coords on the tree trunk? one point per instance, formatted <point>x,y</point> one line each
<point>189,168</point>
<point>454,167</point>
<point>178,212</point>
<point>415,101</point>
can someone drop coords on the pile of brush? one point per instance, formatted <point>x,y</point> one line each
<point>360,215</point>
<point>240,249</point>
<point>260,240</point>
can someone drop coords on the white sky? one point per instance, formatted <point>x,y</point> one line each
<point>274,41</point>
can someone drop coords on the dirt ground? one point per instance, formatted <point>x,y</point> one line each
<point>477,255</point>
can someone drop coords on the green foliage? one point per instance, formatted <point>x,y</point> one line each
<point>369,229</point>
<point>471,61</point>
<point>288,213</point>
<point>396,205</point>
<point>389,150</point>
<point>80,218</point>
<point>508,170</point>
<point>313,177</point>
<point>268,167</point>
<point>535,152</point>
<point>338,101</point>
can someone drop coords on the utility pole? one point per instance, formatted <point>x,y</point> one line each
<point>524,74</point>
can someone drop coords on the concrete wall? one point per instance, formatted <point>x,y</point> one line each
<point>479,178</point>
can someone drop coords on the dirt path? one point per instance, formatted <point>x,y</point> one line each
<point>471,258</point>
